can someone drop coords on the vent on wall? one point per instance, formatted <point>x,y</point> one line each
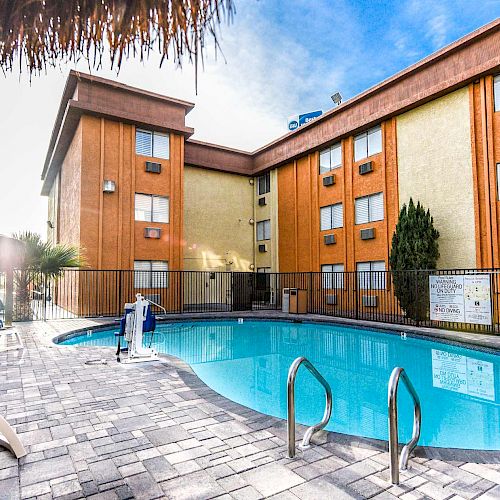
<point>368,234</point>
<point>153,167</point>
<point>366,168</point>
<point>369,300</point>
<point>262,248</point>
<point>329,239</point>
<point>262,201</point>
<point>329,180</point>
<point>152,232</point>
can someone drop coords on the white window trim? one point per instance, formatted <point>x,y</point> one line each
<point>262,223</point>
<point>331,274</point>
<point>369,198</point>
<point>330,167</point>
<point>496,93</point>
<point>152,197</point>
<point>372,278</point>
<point>267,182</point>
<point>153,134</point>
<point>151,279</point>
<point>334,224</point>
<point>364,135</point>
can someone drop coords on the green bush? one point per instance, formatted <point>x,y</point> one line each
<point>415,247</point>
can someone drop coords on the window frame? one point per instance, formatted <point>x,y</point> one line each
<point>152,197</point>
<point>331,226</point>
<point>374,282</point>
<point>267,183</point>
<point>153,134</point>
<point>496,93</point>
<point>152,279</point>
<point>325,170</point>
<point>365,137</point>
<point>328,277</point>
<point>368,197</point>
<point>262,223</point>
<point>498,180</point>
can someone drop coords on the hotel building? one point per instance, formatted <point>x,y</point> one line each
<point>127,183</point>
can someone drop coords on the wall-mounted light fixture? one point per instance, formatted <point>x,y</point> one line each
<point>108,186</point>
<point>252,267</point>
<point>251,182</point>
<point>49,223</point>
<point>251,222</point>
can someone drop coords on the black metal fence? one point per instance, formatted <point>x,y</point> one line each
<point>399,297</point>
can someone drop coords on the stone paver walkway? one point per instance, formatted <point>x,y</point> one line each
<point>156,431</point>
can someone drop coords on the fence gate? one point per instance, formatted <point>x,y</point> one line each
<point>242,291</point>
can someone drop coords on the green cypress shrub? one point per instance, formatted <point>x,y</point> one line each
<point>414,247</point>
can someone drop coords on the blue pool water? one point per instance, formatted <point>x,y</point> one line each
<point>248,363</point>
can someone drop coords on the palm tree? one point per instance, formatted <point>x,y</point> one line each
<point>41,261</point>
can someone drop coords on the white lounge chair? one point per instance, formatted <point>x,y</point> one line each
<point>4,335</point>
<point>10,440</point>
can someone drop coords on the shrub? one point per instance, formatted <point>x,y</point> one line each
<point>414,248</point>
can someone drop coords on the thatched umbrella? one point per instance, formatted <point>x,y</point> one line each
<point>41,33</point>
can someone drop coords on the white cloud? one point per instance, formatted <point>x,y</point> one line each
<point>243,103</point>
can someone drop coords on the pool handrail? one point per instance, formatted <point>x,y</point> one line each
<point>292,374</point>
<point>392,398</point>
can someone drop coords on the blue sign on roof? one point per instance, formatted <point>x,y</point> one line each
<point>307,117</point>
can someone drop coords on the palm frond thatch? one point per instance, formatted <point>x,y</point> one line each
<point>41,33</point>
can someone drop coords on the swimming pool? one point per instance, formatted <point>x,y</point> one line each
<point>248,363</point>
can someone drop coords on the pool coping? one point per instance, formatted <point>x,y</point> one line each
<point>489,343</point>
<point>430,452</point>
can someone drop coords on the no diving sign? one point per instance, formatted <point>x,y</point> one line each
<point>461,298</point>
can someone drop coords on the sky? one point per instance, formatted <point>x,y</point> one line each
<point>279,58</point>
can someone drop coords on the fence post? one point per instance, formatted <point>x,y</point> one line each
<point>355,285</point>
<point>417,300</point>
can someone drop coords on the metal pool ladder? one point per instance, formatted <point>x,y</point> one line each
<point>292,374</point>
<point>392,396</point>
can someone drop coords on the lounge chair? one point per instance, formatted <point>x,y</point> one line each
<point>10,440</point>
<point>4,333</point>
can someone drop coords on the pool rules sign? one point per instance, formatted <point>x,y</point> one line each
<point>461,298</point>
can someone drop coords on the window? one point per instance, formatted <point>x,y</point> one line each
<point>368,143</point>
<point>331,217</point>
<point>153,144</point>
<point>371,275</point>
<point>264,230</point>
<point>330,158</point>
<point>264,183</point>
<point>369,208</point>
<point>151,208</point>
<point>498,181</point>
<point>332,276</point>
<point>150,274</point>
<point>496,92</point>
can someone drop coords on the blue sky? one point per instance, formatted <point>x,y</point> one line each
<point>281,58</point>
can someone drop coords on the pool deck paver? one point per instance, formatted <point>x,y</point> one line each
<point>154,430</point>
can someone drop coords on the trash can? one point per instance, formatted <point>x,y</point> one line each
<point>285,300</point>
<point>294,301</point>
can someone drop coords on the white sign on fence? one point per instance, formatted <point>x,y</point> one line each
<point>461,298</point>
<point>457,373</point>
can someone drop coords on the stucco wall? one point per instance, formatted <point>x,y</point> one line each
<point>69,204</point>
<point>217,210</point>
<point>435,168</point>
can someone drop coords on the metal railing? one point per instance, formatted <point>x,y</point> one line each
<point>397,297</point>
<point>392,396</point>
<point>292,374</point>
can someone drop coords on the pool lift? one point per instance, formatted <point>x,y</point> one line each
<point>138,319</point>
